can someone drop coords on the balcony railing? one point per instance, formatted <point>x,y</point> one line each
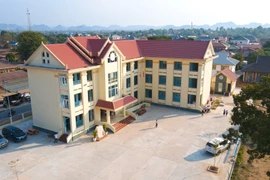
<point>78,103</point>
<point>65,103</point>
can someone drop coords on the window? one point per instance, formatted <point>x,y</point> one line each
<point>64,101</point>
<point>193,67</point>
<point>112,77</point>
<point>79,120</point>
<point>148,63</point>
<point>176,97</point>
<point>162,80</point>
<point>177,81</point>
<point>112,57</point>
<point>63,80</point>
<point>135,80</point>
<point>191,99</point>
<point>113,90</point>
<point>148,78</point>
<point>91,115</point>
<point>148,93</point>
<point>43,54</point>
<point>78,99</point>
<point>178,66</point>
<point>48,61</point>
<point>214,67</point>
<point>76,78</point>
<point>192,83</point>
<point>162,65</point>
<point>136,94</point>
<point>44,61</point>
<point>47,54</point>
<point>128,83</point>
<point>161,95</point>
<point>135,65</point>
<point>89,75</point>
<point>90,95</point>
<point>128,67</point>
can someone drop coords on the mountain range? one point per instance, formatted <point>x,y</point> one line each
<point>43,27</point>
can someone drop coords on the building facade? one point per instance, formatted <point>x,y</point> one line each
<point>89,81</point>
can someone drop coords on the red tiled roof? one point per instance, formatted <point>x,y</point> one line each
<point>129,48</point>
<point>98,59</point>
<point>116,104</point>
<point>228,73</point>
<point>13,75</point>
<point>69,56</point>
<point>90,44</point>
<point>173,49</point>
<point>220,45</point>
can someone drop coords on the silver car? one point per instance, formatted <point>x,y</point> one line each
<point>3,142</point>
<point>221,144</point>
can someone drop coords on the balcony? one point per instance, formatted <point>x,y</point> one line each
<point>65,103</point>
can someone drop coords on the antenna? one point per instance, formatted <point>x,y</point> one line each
<point>28,16</point>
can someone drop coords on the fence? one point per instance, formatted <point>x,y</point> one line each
<point>18,117</point>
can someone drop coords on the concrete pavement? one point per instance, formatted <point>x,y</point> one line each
<point>173,151</point>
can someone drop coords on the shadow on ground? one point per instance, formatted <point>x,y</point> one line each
<point>199,155</point>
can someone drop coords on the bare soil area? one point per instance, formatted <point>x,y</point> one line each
<point>251,171</point>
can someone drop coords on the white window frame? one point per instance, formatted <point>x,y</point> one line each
<point>63,80</point>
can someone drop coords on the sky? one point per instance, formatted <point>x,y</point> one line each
<point>133,12</point>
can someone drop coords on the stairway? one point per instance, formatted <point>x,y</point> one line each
<point>63,138</point>
<point>121,124</point>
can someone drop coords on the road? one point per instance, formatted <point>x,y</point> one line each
<point>19,109</point>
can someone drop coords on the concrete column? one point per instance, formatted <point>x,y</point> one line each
<point>123,79</point>
<point>155,81</point>
<point>184,84</point>
<point>132,78</point>
<point>124,112</point>
<point>85,99</point>
<point>141,80</point>
<point>169,83</point>
<point>108,118</point>
<point>71,103</point>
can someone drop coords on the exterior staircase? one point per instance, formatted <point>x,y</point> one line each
<point>63,138</point>
<point>121,124</point>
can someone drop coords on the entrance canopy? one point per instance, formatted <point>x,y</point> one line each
<point>117,104</point>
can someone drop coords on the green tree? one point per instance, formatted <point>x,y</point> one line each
<point>254,118</point>
<point>11,57</point>
<point>252,57</point>
<point>159,38</point>
<point>266,44</point>
<point>28,42</point>
<point>239,57</point>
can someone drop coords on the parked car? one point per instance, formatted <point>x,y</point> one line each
<point>13,133</point>
<point>3,142</point>
<point>222,145</point>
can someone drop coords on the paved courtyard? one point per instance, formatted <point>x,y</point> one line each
<point>173,151</point>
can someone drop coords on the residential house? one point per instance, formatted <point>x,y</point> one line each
<point>203,38</point>
<point>116,37</point>
<point>223,82</point>
<point>240,40</point>
<point>253,72</point>
<point>252,39</point>
<point>219,46</point>
<point>89,81</point>
<point>224,61</point>
<point>246,49</point>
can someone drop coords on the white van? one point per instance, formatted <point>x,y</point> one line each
<point>222,145</point>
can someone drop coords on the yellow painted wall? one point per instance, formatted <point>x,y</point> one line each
<point>45,99</point>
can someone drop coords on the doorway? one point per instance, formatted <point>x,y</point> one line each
<point>220,87</point>
<point>67,128</point>
<point>229,87</point>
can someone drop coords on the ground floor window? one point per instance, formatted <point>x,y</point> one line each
<point>148,93</point>
<point>161,95</point>
<point>191,99</point>
<point>176,97</point>
<point>91,115</point>
<point>79,120</point>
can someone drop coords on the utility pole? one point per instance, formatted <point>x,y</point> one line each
<point>10,118</point>
<point>28,17</point>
